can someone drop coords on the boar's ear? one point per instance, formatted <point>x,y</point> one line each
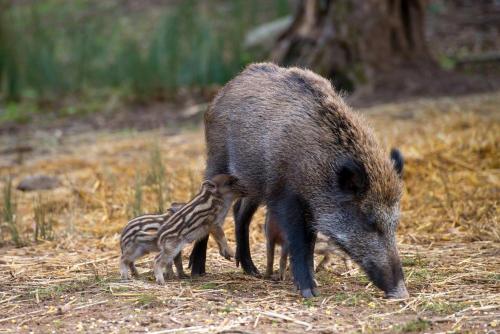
<point>398,161</point>
<point>236,187</point>
<point>352,177</point>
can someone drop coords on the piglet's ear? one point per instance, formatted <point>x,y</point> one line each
<point>224,180</point>
<point>231,180</point>
<point>176,206</point>
<point>352,177</point>
<point>398,161</point>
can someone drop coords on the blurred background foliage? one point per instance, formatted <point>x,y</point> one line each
<point>141,50</point>
<point>83,56</point>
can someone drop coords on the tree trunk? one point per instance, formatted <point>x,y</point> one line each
<point>354,42</point>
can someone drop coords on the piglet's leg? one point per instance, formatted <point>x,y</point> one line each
<point>129,255</point>
<point>133,269</point>
<point>323,263</point>
<point>169,272</point>
<point>178,266</point>
<point>218,233</point>
<point>159,264</point>
<point>283,262</point>
<point>124,266</point>
<point>270,245</point>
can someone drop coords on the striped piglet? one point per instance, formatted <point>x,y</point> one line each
<point>275,236</point>
<point>139,238</point>
<point>194,221</point>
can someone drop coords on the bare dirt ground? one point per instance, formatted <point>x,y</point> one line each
<point>449,236</point>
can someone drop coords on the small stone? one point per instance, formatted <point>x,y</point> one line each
<point>38,182</point>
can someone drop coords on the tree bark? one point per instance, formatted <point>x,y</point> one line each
<point>352,42</point>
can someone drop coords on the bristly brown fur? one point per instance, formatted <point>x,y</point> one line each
<point>295,145</point>
<point>335,124</point>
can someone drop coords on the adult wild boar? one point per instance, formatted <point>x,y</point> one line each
<point>297,147</point>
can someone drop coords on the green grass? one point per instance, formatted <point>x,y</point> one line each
<point>43,223</point>
<point>69,48</point>
<point>135,207</point>
<point>227,309</point>
<point>208,286</point>
<point>421,276</point>
<point>494,277</point>
<point>17,112</point>
<point>146,300</point>
<point>9,219</point>
<point>308,302</point>
<point>414,326</point>
<point>413,261</point>
<point>156,178</point>
<point>446,62</point>
<point>443,307</point>
<point>55,291</point>
<point>354,298</point>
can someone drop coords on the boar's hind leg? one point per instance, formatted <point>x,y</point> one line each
<point>198,257</point>
<point>244,209</point>
<point>300,237</point>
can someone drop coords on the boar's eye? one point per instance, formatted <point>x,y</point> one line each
<point>370,225</point>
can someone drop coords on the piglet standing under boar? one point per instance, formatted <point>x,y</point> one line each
<point>139,237</point>
<point>195,220</point>
<point>274,236</point>
<point>296,147</point>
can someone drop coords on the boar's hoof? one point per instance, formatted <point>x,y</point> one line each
<point>255,273</point>
<point>183,276</point>
<point>392,295</point>
<point>194,275</point>
<point>252,271</point>
<point>309,293</point>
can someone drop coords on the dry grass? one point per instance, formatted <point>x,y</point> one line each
<point>449,234</point>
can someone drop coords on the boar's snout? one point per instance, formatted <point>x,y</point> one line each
<point>389,277</point>
<point>399,292</point>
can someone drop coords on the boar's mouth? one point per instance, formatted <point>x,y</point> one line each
<point>399,292</point>
<point>388,278</point>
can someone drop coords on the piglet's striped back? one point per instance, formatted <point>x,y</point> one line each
<point>195,220</point>
<point>143,228</point>
<point>201,210</point>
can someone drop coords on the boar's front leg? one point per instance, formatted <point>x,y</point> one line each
<point>244,209</point>
<point>198,258</point>
<point>290,213</point>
